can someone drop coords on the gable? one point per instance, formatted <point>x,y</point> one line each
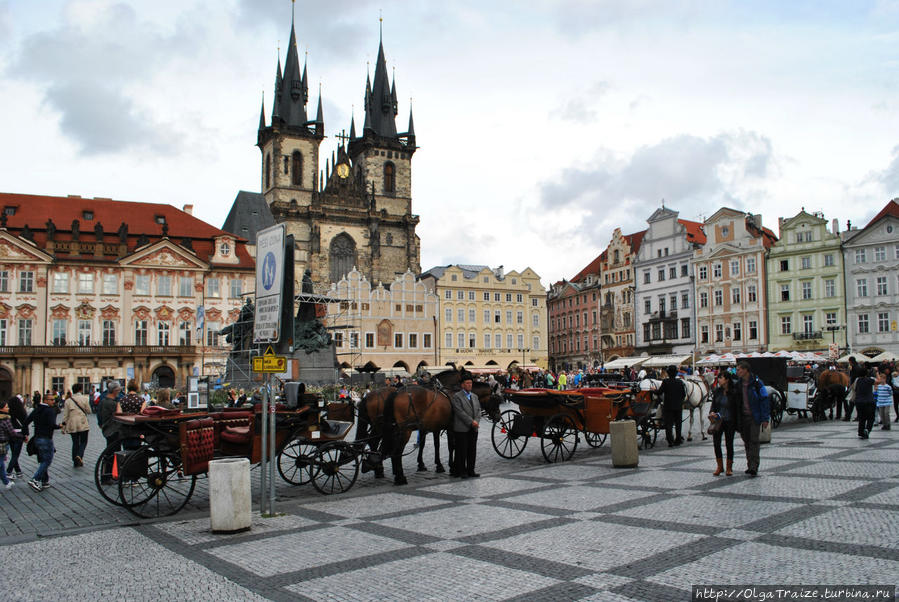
<point>163,254</point>
<point>14,250</point>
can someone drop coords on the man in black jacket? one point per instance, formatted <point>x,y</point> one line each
<point>855,371</point>
<point>44,418</point>
<point>18,417</point>
<point>673,393</point>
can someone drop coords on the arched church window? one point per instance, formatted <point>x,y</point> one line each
<point>389,177</point>
<point>297,169</point>
<point>342,256</point>
<point>268,171</point>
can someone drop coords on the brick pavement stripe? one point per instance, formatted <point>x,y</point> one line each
<point>522,562</point>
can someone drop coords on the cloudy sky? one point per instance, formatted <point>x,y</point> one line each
<point>542,125</point>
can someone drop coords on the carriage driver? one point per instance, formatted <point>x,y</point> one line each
<point>673,394</point>
<point>466,411</point>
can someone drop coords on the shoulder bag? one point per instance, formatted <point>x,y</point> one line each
<point>850,397</point>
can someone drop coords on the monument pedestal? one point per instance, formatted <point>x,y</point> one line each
<point>319,367</point>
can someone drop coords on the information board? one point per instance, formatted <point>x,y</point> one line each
<point>269,284</point>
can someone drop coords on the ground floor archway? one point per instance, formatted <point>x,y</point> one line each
<point>5,384</point>
<point>164,377</point>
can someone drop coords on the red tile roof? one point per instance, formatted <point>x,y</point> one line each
<point>141,218</point>
<point>635,239</point>
<point>592,268</point>
<point>695,233</point>
<point>892,208</point>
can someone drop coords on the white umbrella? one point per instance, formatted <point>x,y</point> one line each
<point>886,356</point>
<point>859,357</point>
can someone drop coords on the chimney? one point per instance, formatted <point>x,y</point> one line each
<point>188,209</point>
<point>780,227</point>
<point>836,226</point>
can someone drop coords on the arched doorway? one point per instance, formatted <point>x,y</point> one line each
<point>401,365</point>
<point>341,256</point>
<point>164,377</point>
<point>5,384</point>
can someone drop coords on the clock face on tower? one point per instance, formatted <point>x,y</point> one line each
<point>343,170</point>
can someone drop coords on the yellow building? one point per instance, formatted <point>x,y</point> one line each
<point>489,318</point>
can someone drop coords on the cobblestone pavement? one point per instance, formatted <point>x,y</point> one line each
<point>824,509</point>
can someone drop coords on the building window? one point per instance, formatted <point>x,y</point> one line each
<point>59,332</point>
<point>519,317</point>
<point>84,332</point>
<point>496,297</point>
<point>426,340</point>
<point>460,295</point>
<point>806,290</point>
<point>808,324</point>
<point>716,270</point>
<point>735,295</point>
<point>164,286</point>
<point>685,328</point>
<point>354,340</point>
<point>880,253</point>
<point>786,325</point>
<point>110,284</point>
<point>672,272</point>
<point>719,333</point>
<point>140,332</point>
<point>486,296</point>
<point>805,263</point>
<point>448,340</point>
<point>497,341</point>
<point>25,327</point>
<point>60,282</point>
<point>863,324</point>
<point>413,341</point>
<point>753,330</point>
<point>497,317</point>
<point>185,286</point>
<point>2,332</point>
<point>883,321</point>
<point>535,319</point>
<point>734,267</point>
<point>508,316</point>
<point>448,314</point>
<point>184,333</point>
<point>661,274</point>
<point>460,315</point>
<point>58,384</point>
<point>142,284</point>
<point>4,281</point>
<point>236,288</point>
<point>703,334</point>
<point>460,339</point>
<point>784,265</point>
<point>882,285</point>
<point>784,292</point>
<point>486,340</point>
<point>296,169</point>
<point>338,339</point>
<point>108,333</point>
<point>85,283</point>
<point>830,318</point>
<point>647,306</point>
<point>830,288</point>
<point>26,282</point>
<point>389,177</point>
<point>508,341</point>
<point>162,334</point>
<point>750,265</point>
<point>860,256</point>
<point>535,343</point>
<point>703,299</point>
<point>861,287</point>
<point>646,277</point>
<point>685,300</point>
<point>719,297</point>
<point>268,170</point>
<point>212,334</point>
<point>738,331</point>
<point>213,288</point>
<point>661,303</point>
<point>828,260</point>
<point>534,300</point>
<point>703,272</point>
<point>398,340</point>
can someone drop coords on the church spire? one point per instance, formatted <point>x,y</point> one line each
<point>319,119</point>
<point>411,131</point>
<point>278,83</point>
<point>262,113</point>
<point>293,94</point>
<point>380,101</point>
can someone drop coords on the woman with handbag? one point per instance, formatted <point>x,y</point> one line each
<point>723,418</point>
<point>74,422</point>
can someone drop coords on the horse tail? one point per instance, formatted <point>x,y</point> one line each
<point>363,425</point>
<point>388,423</point>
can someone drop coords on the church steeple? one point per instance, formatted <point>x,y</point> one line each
<point>262,114</point>
<point>319,119</point>
<point>380,102</point>
<point>293,93</point>
<point>278,82</point>
<point>352,127</point>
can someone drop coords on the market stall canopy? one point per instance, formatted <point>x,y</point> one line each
<point>662,361</point>
<point>886,356</point>
<point>625,362</point>
<point>859,357</point>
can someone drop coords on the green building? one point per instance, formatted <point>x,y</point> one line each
<point>806,300</point>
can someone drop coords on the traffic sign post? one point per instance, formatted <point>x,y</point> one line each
<point>269,284</point>
<point>269,362</point>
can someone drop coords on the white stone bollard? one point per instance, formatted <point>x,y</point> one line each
<point>624,443</point>
<point>229,495</point>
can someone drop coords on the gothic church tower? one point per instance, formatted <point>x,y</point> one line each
<point>357,212</point>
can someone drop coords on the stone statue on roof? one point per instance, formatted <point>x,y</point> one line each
<point>123,233</point>
<point>51,229</point>
<point>76,229</point>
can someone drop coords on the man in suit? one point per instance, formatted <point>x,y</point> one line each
<point>466,412</point>
<point>673,393</point>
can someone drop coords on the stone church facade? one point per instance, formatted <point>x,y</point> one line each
<point>357,212</point>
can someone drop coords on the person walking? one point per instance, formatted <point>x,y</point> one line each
<point>725,409</point>
<point>754,414</point>
<point>563,380</point>
<point>883,395</point>
<point>8,434</point>
<point>865,404</point>
<point>894,383</point>
<point>75,424</point>
<point>44,418</point>
<point>673,394</point>
<point>106,410</point>
<point>855,371</point>
<point>466,411</point>
<point>17,416</point>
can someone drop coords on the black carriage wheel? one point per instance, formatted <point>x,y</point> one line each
<point>777,408</point>
<point>595,439</point>
<point>296,460</point>
<point>504,442</point>
<point>107,485</point>
<point>335,468</point>
<point>647,432</point>
<point>559,438</point>
<point>161,490</point>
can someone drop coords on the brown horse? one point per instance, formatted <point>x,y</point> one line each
<point>411,409</point>
<point>832,388</point>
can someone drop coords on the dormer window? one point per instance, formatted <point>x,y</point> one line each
<point>87,215</point>
<point>159,219</point>
<point>9,210</point>
<point>225,249</point>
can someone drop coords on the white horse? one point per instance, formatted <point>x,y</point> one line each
<point>696,393</point>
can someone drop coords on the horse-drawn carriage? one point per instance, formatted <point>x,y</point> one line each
<point>558,418</point>
<point>165,451</point>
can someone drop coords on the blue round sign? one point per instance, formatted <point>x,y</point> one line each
<point>268,271</point>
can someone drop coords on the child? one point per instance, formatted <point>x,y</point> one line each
<point>883,394</point>
<point>7,434</point>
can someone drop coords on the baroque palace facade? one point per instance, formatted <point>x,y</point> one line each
<point>92,289</point>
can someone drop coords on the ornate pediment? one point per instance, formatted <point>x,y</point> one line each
<point>164,313</point>
<point>59,311</point>
<point>84,311</point>
<point>109,312</point>
<point>4,310</point>
<point>185,313</point>
<point>141,312</point>
<point>15,250</point>
<point>163,254</point>
<point>25,310</point>
<point>213,314</point>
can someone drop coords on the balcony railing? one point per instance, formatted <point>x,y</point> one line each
<point>96,350</point>
<point>806,336</point>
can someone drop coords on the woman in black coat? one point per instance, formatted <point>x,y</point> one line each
<point>726,409</point>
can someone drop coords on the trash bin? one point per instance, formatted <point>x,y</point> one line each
<point>765,434</point>
<point>624,443</point>
<point>229,495</point>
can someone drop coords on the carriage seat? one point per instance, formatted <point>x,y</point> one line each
<point>334,429</point>
<point>234,428</point>
<point>197,444</point>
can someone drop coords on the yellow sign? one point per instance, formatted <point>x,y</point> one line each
<point>269,362</point>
